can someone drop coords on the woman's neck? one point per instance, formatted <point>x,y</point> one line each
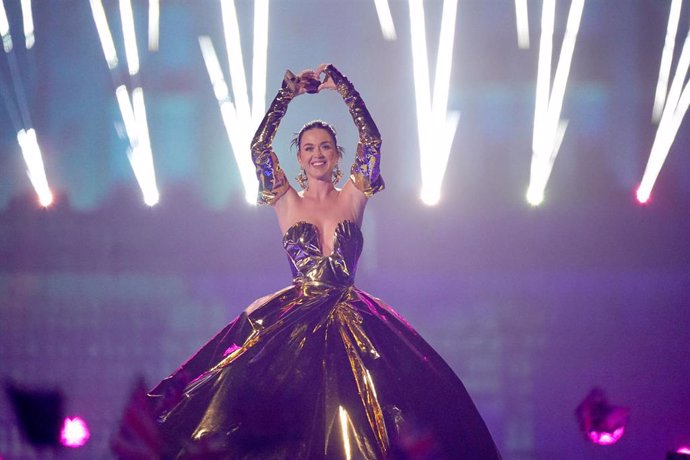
<point>319,190</point>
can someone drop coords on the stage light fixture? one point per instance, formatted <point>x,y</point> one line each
<point>601,422</point>
<point>75,432</point>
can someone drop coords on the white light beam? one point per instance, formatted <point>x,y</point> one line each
<point>5,29</point>
<point>154,24</point>
<point>666,59</point>
<point>140,154</point>
<point>669,123</point>
<point>522,23</point>
<point>28,23</point>
<point>34,164</point>
<point>385,20</point>
<point>239,118</point>
<point>104,34</point>
<point>435,125</point>
<point>130,37</point>
<point>549,129</point>
<point>260,56</point>
<point>234,49</point>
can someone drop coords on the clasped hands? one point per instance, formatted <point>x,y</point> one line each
<point>309,81</point>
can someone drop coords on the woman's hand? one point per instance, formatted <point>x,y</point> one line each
<point>306,81</point>
<point>328,82</point>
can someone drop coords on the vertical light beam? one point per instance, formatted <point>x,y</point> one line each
<point>5,29</point>
<point>208,52</point>
<point>28,23</point>
<point>154,24</point>
<point>522,23</point>
<point>240,120</point>
<point>435,125</point>
<point>666,59</point>
<point>674,110</point>
<point>385,20</point>
<point>140,154</point>
<point>549,129</point>
<point>231,31</point>
<point>34,165</point>
<point>260,56</point>
<point>104,34</point>
<point>141,158</point>
<point>130,37</point>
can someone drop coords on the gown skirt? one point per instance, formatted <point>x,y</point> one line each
<point>319,370</point>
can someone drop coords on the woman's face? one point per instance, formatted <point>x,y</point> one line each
<point>317,153</point>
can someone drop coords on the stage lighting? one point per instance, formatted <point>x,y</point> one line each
<point>436,125</point>
<point>601,422</point>
<point>75,432</point>
<point>642,196</point>
<point>549,128</point>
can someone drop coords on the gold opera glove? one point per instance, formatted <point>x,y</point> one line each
<point>272,180</point>
<point>365,171</point>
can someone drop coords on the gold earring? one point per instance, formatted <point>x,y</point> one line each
<point>337,175</point>
<point>302,179</point>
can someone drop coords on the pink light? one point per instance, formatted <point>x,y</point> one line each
<point>683,450</point>
<point>604,438</point>
<point>74,432</point>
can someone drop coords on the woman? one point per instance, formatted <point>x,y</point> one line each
<point>319,369</point>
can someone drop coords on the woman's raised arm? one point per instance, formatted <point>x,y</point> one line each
<point>272,180</point>
<point>365,171</point>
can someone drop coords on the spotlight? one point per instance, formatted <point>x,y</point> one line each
<point>74,432</point>
<point>601,422</point>
<point>642,196</point>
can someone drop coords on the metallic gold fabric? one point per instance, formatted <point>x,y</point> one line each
<point>319,370</point>
<point>365,171</point>
<point>272,181</point>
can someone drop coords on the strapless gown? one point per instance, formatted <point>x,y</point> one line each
<point>319,370</point>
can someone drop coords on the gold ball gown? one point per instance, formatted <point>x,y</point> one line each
<point>321,369</point>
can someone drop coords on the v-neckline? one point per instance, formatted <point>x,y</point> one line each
<point>319,233</point>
